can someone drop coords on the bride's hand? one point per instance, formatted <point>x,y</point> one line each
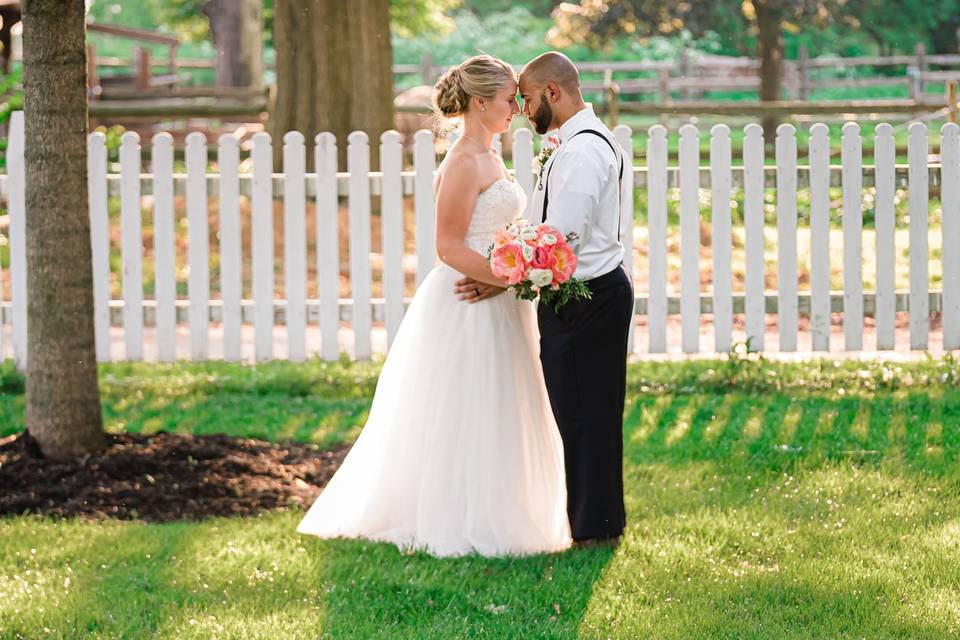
<point>470,290</point>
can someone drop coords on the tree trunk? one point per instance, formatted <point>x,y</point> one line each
<point>943,35</point>
<point>62,395</point>
<point>334,71</point>
<point>770,53</point>
<point>237,31</point>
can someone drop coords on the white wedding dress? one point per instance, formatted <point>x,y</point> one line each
<point>460,453</point>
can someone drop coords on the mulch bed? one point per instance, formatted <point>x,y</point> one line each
<point>164,477</point>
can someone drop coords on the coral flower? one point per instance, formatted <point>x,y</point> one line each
<point>506,261</point>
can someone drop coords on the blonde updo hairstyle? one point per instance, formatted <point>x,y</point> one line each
<point>481,76</point>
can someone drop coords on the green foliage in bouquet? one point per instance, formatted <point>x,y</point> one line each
<point>572,290</point>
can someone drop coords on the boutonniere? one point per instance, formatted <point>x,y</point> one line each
<point>546,150</point>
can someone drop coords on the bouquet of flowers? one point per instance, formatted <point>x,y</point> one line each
<point>537,261</point>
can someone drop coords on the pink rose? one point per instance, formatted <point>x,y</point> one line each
<point>542,258</point>
<point>565,262</point>
<point>506,261</point>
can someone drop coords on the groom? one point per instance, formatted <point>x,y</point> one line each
<point>583,347</point>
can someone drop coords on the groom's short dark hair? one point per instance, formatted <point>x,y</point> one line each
<point>553,66</point>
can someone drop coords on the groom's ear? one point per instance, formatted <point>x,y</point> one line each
<point>553,91</point>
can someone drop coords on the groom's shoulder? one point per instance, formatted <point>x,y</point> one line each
<point>589,145</point>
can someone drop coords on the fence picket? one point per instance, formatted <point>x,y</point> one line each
<point>99,240</point>
<point>164,248</point>
<point>722,240</point>
<point>391,220</point>
<point>523,163</point>
<point>131,245</point>
<point>295,243</point>
<point>231,270</point>
<point>262,246</point>
<point>851,158</point>
<point>786,151</point>
<point>918,198</point>
<point>198,249</point>
<point>624,136</point>
<point>754,304</point>
<point>328,243</point>
<point>886,305</point>
<point>657,234</point>
<point>690,238</point>
<point>950,180</point>
<point>820,236</point>
<point>358,164</point>
<point>424,162</point>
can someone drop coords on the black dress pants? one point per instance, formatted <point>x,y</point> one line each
<point>583,348</point>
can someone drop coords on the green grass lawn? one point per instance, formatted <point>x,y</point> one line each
<point>765,500</point>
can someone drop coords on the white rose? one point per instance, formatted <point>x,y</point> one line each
<point>529,233</point>
<point>513,230</point>
<point>527,252</point>
<point>540,277</point>
<point>549,239</point>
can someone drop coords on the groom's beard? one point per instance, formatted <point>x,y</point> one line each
<point>544,116</point>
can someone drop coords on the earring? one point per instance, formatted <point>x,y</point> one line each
<point>483,108</point>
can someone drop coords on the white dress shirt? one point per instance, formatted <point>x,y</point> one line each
<point>585,197</point>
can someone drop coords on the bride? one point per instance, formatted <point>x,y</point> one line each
<point>460,453</point>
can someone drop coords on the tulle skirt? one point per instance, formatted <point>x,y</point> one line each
<point>460,453</point>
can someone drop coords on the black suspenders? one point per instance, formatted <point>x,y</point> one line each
<point>546,181</point>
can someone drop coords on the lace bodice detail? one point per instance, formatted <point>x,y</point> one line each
<point>496,205</point>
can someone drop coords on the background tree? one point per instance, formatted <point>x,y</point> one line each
<point>766,19</point>
<point>236,27</point>
<point>62,394</point>
<point>335,65</point>
<point>334,69</point>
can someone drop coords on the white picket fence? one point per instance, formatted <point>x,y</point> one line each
<point>231,314</point>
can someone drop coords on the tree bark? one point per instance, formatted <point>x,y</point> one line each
<point>237,31</point>
<point>770,53</point>
<point>334,71</point>
<point>62,394</point>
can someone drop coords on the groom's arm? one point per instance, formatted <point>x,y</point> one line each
<point>576,181</point>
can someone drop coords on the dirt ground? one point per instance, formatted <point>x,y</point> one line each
<point>164,477</point>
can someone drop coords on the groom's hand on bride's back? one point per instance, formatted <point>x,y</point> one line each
<point>470,290</point>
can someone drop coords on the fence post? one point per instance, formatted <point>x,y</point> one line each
<point>141,67</point>
<point>684,70</point>
<point>917,89</point>
<point>952,99</point>
<point>427,70</point>
<point>93,80</point>
<point>612,93</point>
<point>803,67</point>
<point>663,81</point>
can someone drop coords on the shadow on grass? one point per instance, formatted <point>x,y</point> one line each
<point>779,430</point>
<point>417,596</point>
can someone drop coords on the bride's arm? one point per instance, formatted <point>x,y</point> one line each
<point>456,198</point>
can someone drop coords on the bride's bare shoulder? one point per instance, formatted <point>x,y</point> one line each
<point>459,168</point>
